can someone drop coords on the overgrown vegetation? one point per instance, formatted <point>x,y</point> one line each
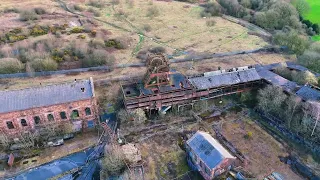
<point>311,58</point>
<point>295,42</point>
<point>298,116</point>
<point>28,16</point>
<point>297,76</point>
<point>10,65</point>
<point>97,58</point>
<point>45,64</point>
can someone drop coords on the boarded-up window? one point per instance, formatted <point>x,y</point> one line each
<point>50,117</point>
<point>88,111</point>
<point>36,120</point>
<point>63,115</point>
<point>74,114</point>
<point>23,122</point>
<point>10,125</point>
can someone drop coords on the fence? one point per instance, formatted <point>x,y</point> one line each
<point>110,68</point>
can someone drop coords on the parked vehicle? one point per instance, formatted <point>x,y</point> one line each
<point>19,146</point>
<point>56,142</point>
<point>68,136</point>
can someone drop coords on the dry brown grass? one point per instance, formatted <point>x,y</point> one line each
<point>262,150</point>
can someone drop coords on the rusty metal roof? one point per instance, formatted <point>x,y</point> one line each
<point>223,79</point>
<point>23,99</point>
<point>309,93</point>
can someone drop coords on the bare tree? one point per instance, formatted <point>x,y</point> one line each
<point>315,113</point>
<point>113,162</point>
<point>271,99</point>
<point>28,138</point>
<point>67,128</point>
<point>139,116</point>
<point>4,140</point>
<point>124,116</point>
<point>293,103</point>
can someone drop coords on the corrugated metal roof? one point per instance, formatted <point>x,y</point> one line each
<point>309,93</point>
<point>277,80</point>
<point>228,78</point>
<point>208,149</point>
<point>44,96</point>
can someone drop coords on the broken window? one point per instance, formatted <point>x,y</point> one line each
<point>74,114</point>
<point>50,117</point>
<point>23,122</point>
<point>63,115</point>
<point>36,120</point>
<point>88,111</point>
<point>10,125</point>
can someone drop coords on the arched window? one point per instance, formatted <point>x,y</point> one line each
<point>88,111</point>
<point>36,120</point>
<point>23,122</point>
<point>63,115</point>
<point>10,125</point>
<point>50,117</point>
<point>74,114</point>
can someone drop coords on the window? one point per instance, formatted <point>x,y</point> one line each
<point>10,125</point>
<point>23,122</point>
<point>88,111</point>
<point>63,115</point>
<point>208,171</point>
<point>75,114</point>
<point>50,117</point>
<point>201,164</point>
<point>36,120</point>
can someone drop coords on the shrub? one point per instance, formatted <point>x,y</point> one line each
<point>78,7</point>
<point>210,22</point>
<point>44,64</point>
<point>278,15</point>
<point>211,9</point>
<point>292,40</point>
<point>39,30</point>
<point>11,10</point>
<point>97,58</point>
<point>28,16</point>
<point>97,43</point>
<point>82,36</point>
<point>115,2</point>
<point>157,50</point>
<point>16,31</point>
<point>39,11</point>
<point>14,38</point>
<point>10,65</point>
<point>114,43</point>
<point>233,8</point>
<point>76,30</point>
<point>153,12</point>
<point>248,135</point>
<point>147,27</point>
<point>96,3</point>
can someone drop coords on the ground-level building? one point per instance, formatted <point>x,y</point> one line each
<point>208,156</point>
<point>26,109</point>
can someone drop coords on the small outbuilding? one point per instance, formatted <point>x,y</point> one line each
<point>208,156</point>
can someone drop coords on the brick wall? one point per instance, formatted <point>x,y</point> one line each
<point>42,112</point>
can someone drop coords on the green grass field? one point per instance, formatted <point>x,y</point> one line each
<point>316,38</point>
<point>314,15</point>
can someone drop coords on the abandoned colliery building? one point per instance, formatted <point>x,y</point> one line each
<point>163,87</point>
<point>207,156</point>
<point>26,109</point>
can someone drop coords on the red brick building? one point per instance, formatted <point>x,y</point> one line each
<point>25,109</point>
